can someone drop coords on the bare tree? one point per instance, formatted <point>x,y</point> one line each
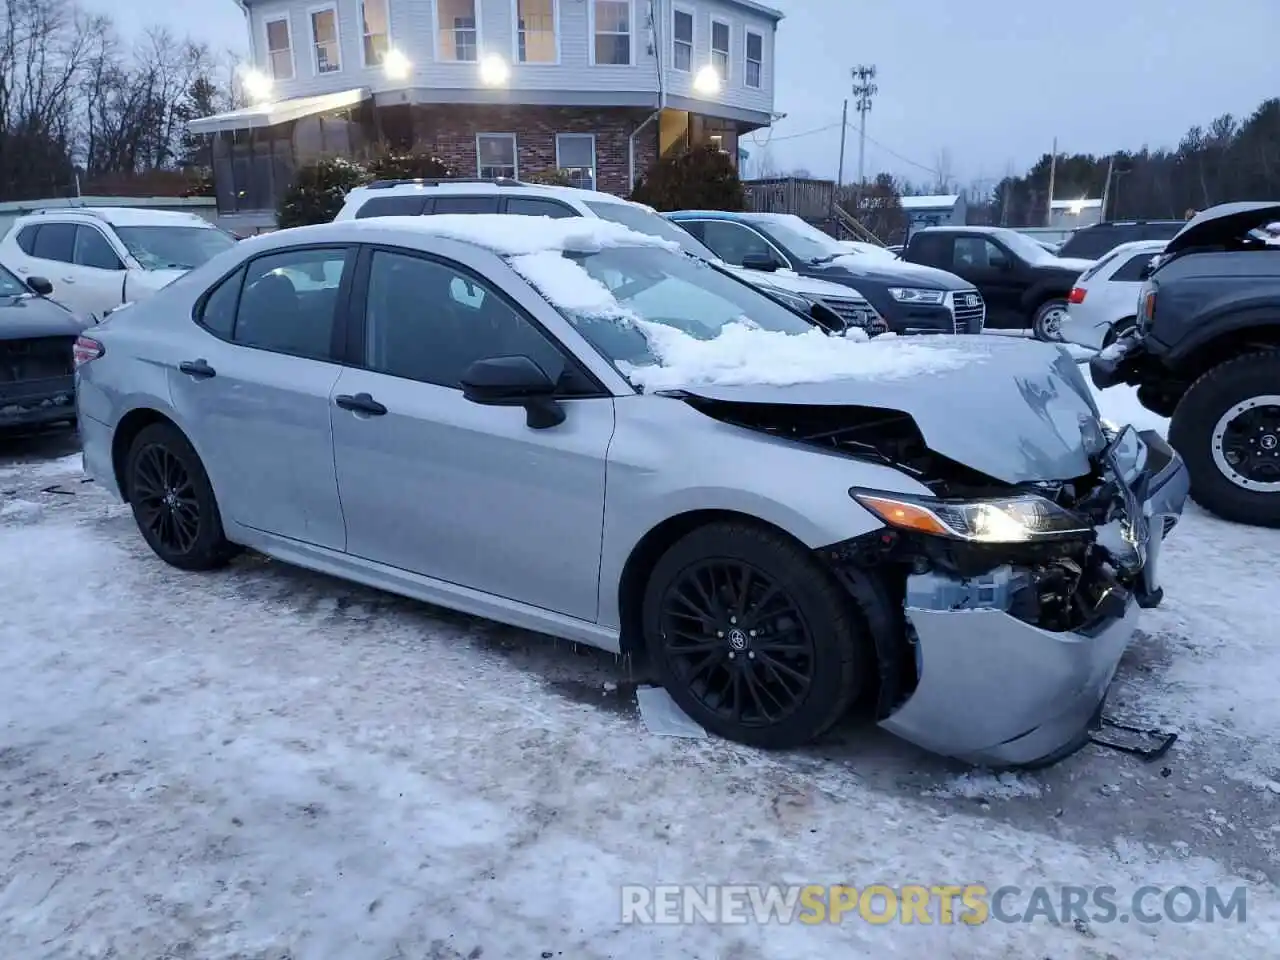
<point>942,169</point>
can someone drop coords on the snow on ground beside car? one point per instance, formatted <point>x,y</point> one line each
<point>234,765</point>
<point>1120,405</point>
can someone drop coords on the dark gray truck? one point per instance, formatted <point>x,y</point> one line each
<point>1206,352</point>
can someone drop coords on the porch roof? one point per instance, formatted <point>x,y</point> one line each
<point>282,111</point>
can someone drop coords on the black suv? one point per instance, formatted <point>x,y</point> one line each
<point>1097,240</point>
<point>1206,352</point>
<point>1023,284</point>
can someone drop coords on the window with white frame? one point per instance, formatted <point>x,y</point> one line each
<point>324,39</point>
<point>280,49</point>
<point>682,40</point>
<point>612,19</point>
<point>755,59</point>
<point>457,30</point>
<point>576,156</point>
<point>496,155</point>
<point>536,31</point>
<point>376,29</point>
<point>720,48</point>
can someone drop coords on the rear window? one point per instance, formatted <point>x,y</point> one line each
<point>1131,272</point>
<point>1094,242</point>
<point>392,207</point>
<point>1092,271</point>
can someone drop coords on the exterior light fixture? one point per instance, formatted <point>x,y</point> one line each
<point>494,71</point>
<point>707,82</point>
<point>396,65</point>
<point>257,85</point>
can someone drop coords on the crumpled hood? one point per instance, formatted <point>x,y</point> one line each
<point>25,317</point>
<point>792,282</point>
<point>894,273</point>
<point>154,279</point>
<point>1017,412</point>
<point>1223,223</point>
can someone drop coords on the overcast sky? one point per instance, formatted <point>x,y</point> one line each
<point>991,82</point>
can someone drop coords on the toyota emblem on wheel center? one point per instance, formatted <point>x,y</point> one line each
<point>737,640</point>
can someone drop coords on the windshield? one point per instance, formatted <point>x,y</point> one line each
<point>1024,247</point>
<point>803,240</point>
<point>11,286</point>
<point>656,286</point>
<point>645,221</point>
<point>174,248</point>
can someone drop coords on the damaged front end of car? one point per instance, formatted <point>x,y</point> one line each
<point>999,610</point>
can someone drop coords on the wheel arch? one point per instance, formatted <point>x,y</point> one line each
<point>126,431</point>
<point>1234,336</point>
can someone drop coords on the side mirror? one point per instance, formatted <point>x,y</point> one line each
<point>39,286</point>
<point>759,261</point>
<point>514,382</point>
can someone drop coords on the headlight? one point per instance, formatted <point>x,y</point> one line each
<point>1002,520</point>
<point>916,295</point>
<point>787,299</point>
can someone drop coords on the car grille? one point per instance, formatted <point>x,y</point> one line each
<point>856,313</point>
<point>35,358</point>
<point>968,307</point>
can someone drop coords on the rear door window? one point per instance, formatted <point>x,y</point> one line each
<point>402,206</point>
<point>26,239</point>
<point>479,204</point>
<point>1131,272</point>
<point>538,207</point>
<point>1094,242</point>
<point>55,241</point>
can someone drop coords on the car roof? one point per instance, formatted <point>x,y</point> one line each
<point>715,215</point>
<point>118,216</point>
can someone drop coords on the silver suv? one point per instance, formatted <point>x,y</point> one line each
<point>575,428</point>
<point>392,198</point>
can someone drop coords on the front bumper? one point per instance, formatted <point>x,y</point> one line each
<point>998,691</point>
<point>33,403</point>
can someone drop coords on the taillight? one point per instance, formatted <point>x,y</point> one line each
<point>1077,295</point>
<point>86,349</point>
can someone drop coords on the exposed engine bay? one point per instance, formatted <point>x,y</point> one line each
<point>1062,584</point>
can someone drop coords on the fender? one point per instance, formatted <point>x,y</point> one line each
<point>1228,320</point>
<point>1041,291</point>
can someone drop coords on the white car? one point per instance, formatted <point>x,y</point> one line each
<point>99,258</point>
<point>391,198</point>
<point>1104,301</point>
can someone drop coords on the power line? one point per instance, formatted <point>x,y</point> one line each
<point>897,156</point>
<point>795,136</point>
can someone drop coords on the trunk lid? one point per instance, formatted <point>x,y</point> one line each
<point>1222,224</point>
<point>1018,412</point>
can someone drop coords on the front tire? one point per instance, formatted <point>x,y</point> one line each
<point>752,637</point>
<point>1046,325</point>
<point>173,502</point>
<point>1227,429</point>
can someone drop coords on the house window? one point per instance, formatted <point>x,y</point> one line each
<point>280,49</point>
<point>576,156</point>
<point>459,36</point>
<point>682,41</point>
<point>720,48</point>
<point>324,35</point>
<point>755,59</point>
<point>612,31</point>
<point>536,31</point>
<point>496,155</point>
<point>374,26</point>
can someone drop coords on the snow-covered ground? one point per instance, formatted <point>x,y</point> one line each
<point>265,763</point>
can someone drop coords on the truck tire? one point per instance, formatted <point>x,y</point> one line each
<point>1227,429</point>
<point>1046,323</point>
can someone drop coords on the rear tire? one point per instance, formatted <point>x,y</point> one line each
<point>1197,429</point>
<point>1046,324</point>
<point>173,502</point>
<point>752,637</point>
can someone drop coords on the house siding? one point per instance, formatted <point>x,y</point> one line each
<point>413,32</point>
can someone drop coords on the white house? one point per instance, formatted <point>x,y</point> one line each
<point>1069,214</point>
<point>934,211</point>
<point>494,87</point>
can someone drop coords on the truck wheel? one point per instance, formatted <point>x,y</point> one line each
<point>1227,429</point>
<point>752,637</point>
<point>1047,323</point>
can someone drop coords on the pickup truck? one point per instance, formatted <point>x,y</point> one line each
<point>1023,284</point>
<point>1205,351</point>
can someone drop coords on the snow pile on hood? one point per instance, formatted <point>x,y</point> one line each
<point>742,353</point>
<point>515,236</point>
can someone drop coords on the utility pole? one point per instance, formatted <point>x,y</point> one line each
<point>844,127</point>
<point>864,89</point>
<point>1053,172</point>
<point>1106,191</point>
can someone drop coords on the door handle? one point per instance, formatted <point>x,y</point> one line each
<point>68,280</point>
<point>360,403</point>
<point>199,369</point>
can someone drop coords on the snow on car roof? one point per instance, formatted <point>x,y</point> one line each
<point>740,354</point>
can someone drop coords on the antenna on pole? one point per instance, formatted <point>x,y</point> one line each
<point>864,89</point>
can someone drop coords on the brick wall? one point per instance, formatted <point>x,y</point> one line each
<point>450,132</point>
